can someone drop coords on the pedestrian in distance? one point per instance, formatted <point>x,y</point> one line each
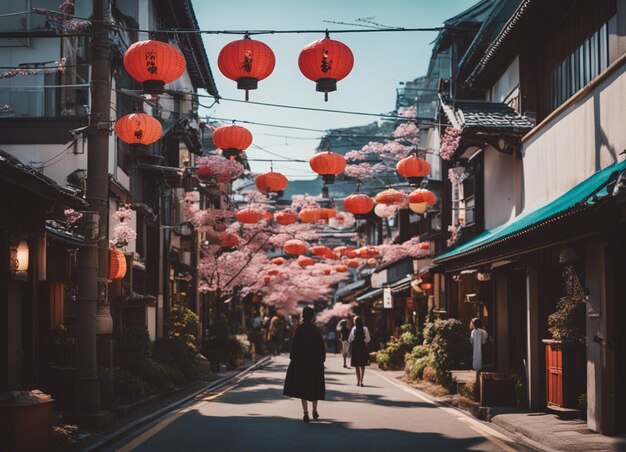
<point>344,336</point>
<point>275,334</point>
<point>359,337</point>
<point>305,374</point>
<point>478,338</point>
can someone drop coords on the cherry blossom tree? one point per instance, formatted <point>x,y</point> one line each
<point>341,310</point>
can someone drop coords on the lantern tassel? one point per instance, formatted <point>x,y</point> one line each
<point>247,97</point>
<point>325,97</point>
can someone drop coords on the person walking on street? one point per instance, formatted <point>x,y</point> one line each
<point>305,374</point>
<point>478,338</point>
<point>344,336</point>
<point>359,337</point>
<point>275,334</point>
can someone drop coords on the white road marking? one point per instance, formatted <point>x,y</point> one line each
<point>492,435</point>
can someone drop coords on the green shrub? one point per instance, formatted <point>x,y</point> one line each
<point>182,326</point>
<point>392,356</point>
<point>449,342</point>
<point>160,376</point>
<point>135,347</point>
<point>416,371</point>
<point>177,354</point>
<point>419,351</point>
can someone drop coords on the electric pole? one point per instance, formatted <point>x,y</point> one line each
<point>92,306</point>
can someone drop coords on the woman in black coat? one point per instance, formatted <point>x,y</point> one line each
<point>305,375</point>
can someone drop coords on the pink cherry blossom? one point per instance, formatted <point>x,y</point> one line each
<point>340,310</point>
<point>449,143</point>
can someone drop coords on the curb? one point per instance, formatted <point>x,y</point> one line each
<point>217,384</point>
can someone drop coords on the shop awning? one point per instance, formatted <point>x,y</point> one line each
<point>401,285</point>
<point>371,294</point>
<point>576,200</point>
<point>349,288</point>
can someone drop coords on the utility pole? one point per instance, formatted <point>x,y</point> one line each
<point>92,314</point>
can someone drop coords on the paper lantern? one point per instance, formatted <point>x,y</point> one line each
<point>305,261</point>
<point>358,205</point>
<point>390,197</point>
<point>421,199</point>
<point>249,216</point>
<point>117,264</point>
<point>278,261</point>
<point>229,240</point>
<point>320,250</point>
<point>350,254</point>
<point>154,63</point>
<point>341,269</point>
<point>426,286</point>
<point>246,61</point>
<point>326,62</point>
<point>310,215</point>
<point>204,172</point>
<point>295,247</point>
<point>267,216</point>
<point>353,264</point>
<point>328,165</point>
<point>266,280</point>
<point>285,217</point>
<point>367,251</point>
<point>327,271</point>
<point>271,182</point>
<point>273,272</point>
<point>327,213</point>
<point>424,246</point>
<point>413,169</point>
<point>232,140</point>
<point>138,128</point>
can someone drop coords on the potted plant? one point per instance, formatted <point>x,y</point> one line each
<point>563,351</point>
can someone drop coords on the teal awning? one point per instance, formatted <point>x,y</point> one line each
<point>577,198</point>
<point>370,294</point>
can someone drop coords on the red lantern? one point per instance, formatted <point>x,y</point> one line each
<point>421,199</point>
<point>278,261</point>
<point>305,261</point>
<point>326,271</point>
<point>138,128</point>
<point>358,205</point>
<point>249,216</point>
<point>341,269</point>
<point>117,264</point>
<point>353,264</point>
<point>367,251</point>
<point>295,247</point>
<point>413,169</point>
<point>340,249</point>
<point>229,240</point>
<point>328,165</point>
<point>154,63</point>
<point>204,172</point>
<point>371,261</point>
<point>327,213</point>
<point>266,280</point>
<point>273,272</point>
<point>424,246</point>
<point>390,197</point>
<point>223,178</point>
<point>232,140</point>
<point>426,286</point>
<point>351,254</point>
<point>320,250</point>
<point>285,217</point>
<point>246,61</point>
<point>271,182</point>
<point>326,62</point>
<point>310,215</point>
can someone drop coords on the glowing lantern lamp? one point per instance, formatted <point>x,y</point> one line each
<point>117,264</point>
<point>204,172</point>
<point>353,264</point>
<point>249,216</point>
<point>229,240</point>
<point>426,286</point>
<point>326,62</point>
<point>232,140</point>
<point>295,247</point>
<point>328,165</point>
<point>154,63</point>
<point>19,257</point>
<point>278,261</point>
<point>413,169</point>
<point>421,199</point>
<point>358,205</point>
<point>305,261</point>
<point>327,213</point>
<point>320,250</point>
<point>271,182</point>
<point>138,128</point>
<point>310,215</point>
<point>285,217</point>
<point>341,269</point>
<point>273,272</point>
<point>246,61</point>
<point>390,197</point>
<point>424,246</point>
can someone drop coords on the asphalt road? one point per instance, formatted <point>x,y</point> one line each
<point>384,415</point>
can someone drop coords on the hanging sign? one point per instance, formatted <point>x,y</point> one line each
<point>387,299</point>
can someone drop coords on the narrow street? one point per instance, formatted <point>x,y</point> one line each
<point>382,415</point>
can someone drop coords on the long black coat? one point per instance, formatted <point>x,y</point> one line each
<point>305,375</point>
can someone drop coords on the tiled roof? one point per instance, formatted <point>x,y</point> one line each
<point>476,114</point>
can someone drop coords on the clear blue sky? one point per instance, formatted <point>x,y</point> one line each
<point>381,61</point>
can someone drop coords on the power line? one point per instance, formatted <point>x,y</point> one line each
<point>265,124</point>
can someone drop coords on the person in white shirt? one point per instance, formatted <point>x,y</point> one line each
<point>478,338</point>
<point>359,337</point>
